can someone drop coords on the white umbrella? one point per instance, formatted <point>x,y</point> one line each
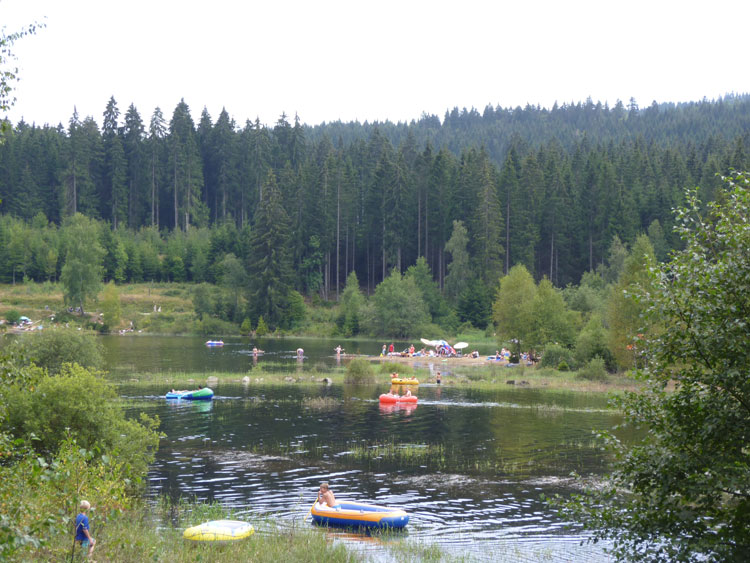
<point>460,345</point>
<point>428,342</point>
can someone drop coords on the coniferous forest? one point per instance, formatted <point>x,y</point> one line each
<point>302,207</point>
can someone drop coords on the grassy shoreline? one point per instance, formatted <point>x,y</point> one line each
<point>153,532</point>
<point>167,308</point>
<point>469,377</point>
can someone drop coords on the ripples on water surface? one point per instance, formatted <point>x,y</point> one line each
<point>468,466</point>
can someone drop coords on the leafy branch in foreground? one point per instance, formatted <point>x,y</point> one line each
<point>683,493</point>
<point>9,73</point>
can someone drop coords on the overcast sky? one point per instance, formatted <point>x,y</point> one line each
<point>361,60</point>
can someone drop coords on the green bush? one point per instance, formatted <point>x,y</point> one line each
<point>40,519</point>
<point>64,316</point>
<point>12,316</point>
<point>211,325</point>
<point>554,354</point>
<point>262,328</point>
<point>394,367</point>
<point>79,402</point>
<point>563,366</point>
<point>359,372</point>
<point>296,311</point>
<point>173,293</point>
<point>52,347</point>
<point>595,370</point>
<point>592,342</point>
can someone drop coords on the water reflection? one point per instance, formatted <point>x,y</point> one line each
<point>468,466</point>
<point>391,408</point>
<point>193,406</point>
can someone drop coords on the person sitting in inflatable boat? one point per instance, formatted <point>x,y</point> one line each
<point>325,496</point>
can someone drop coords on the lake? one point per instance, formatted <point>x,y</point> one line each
<point>156,353</point>
<point>468,465</point>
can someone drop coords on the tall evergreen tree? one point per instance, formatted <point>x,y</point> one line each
<point>259,147</point>
<point>509,188</point>
<point>157,133</point>
<point>114,199</point>
<point>487,223</point>
<point>76,178</point>
<point>135,151</point>
<point>269,263</point>
<point>459,271</point>
<point>224,166</point>
<point>187,173</point>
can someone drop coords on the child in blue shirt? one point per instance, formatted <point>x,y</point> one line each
<point>82,529</point>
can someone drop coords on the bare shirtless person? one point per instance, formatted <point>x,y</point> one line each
<point>325,496</point>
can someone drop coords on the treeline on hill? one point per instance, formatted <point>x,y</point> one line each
<point>497,128</point>
<point>298,212</point>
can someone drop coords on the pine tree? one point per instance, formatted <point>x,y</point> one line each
<point>487,223</point>
<point>157,133</point>
<point>459,272</point>
<point>270,265</point>
<point>76,173</point>
<point>259,149</point>
<point>115,173</point>
<point>187,173</point>
<point>224,160</point>
<point>133,141</point>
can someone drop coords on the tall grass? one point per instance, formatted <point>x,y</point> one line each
<point>396,367</point>
<point>155,534</point>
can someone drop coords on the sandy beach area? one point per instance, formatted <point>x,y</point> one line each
<point>451,361</point>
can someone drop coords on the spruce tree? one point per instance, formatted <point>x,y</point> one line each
<point>114,199</point>
<point>269,263</point>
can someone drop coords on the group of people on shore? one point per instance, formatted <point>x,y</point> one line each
<point>505,356</point>
<point>406,352</point>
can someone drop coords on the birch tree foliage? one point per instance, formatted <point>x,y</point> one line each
<point>683,492</point>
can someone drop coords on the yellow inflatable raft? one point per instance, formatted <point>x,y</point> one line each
<point>219,530</point>
<point>403,381</point>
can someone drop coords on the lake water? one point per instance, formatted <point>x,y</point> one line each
<point>469,466</point>
<point>190,354</point>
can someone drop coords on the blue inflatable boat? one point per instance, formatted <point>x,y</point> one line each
<point>358,515</point>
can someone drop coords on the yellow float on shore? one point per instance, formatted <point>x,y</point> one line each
<point>219,530</point>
